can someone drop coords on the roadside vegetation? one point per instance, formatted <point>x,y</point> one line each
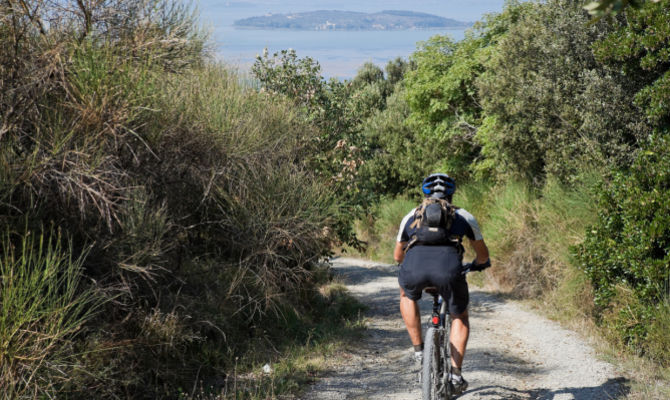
<point>162,228</point>
<point>165,229</point>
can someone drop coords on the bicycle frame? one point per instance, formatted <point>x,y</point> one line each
<point>441,320</point>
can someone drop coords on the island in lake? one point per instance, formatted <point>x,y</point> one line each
<point>351,21</point>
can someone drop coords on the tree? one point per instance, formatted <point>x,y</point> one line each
<point>396,69</point>
<point>368,74</point>
<point>601,8</point>
<point>444,100</point>
<point>285,73</point>
<point>628,249</point>
<point>640,48</point>
<point>550,107</point>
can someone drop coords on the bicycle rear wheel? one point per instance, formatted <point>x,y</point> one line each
<point>449,390</point>
<point>431,374</point>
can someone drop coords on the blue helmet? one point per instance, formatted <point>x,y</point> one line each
<point>438,185</point>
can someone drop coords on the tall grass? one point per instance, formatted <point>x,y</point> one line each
<point>307,347</point>
<point>380,230</point>
<point>191,196</point>
<point>530,233</point>
<point>43,307</point>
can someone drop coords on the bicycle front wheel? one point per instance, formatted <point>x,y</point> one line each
<point>431,375</point>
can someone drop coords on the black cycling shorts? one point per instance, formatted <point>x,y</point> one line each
<point>438,266</point>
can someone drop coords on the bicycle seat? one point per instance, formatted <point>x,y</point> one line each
<point>432,290</point>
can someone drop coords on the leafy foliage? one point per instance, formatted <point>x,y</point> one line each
<point>544,93</point>
<point>441,107</point>
<point>626,253</point>
<point>346,160</point>
<point>394,157</point>
<point>550,108</point>
<point>601,8</point>
<point>298,78</point>
<point>397,68</point>
<point>640,47</point>
<point>326,106</point>
<point>630,244</point>
<point>444,100</point>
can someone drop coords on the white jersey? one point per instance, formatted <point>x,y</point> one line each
<point>464,224</point>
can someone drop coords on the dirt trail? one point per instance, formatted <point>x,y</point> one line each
<point>512,353</point>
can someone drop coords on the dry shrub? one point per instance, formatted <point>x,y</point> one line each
<point>225,226</point>
<point>72,90</point>
<point>192,193</point>
<point>511,231</point>
<point>530,235</point>
<point>658,342</point>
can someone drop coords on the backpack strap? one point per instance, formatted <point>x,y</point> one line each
<point>448,212</point>
<point>418,216</point>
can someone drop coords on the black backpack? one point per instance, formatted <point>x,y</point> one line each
<point>432,224</point>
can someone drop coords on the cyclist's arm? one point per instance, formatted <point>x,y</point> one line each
<point>398,252</point>
<point>481,251</point>
<point>402,238</point>
<point>474,234</point>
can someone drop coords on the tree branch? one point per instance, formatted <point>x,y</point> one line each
<point>32,16</point>
<point>87,18</point>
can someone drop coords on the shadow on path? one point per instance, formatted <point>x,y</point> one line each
<point>616,388</point>
<point>491,359</point>
<point>357,275</point>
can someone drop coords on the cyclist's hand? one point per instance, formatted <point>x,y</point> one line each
<point>479,267</point>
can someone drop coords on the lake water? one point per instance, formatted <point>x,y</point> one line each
<point>340,53</point>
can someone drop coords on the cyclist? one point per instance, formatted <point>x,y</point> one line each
<point>439,264</point>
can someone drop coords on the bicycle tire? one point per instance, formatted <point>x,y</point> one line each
<point>430,377</point>
<point>447,358</point>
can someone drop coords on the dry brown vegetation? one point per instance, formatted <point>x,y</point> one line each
<point>185,197</point>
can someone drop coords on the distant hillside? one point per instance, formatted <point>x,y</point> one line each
<point>325,20</point>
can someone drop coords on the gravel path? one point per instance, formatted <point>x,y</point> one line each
<point>512,353</point>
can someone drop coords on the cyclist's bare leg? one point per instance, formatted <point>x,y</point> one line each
<point>460,330</point>
<point>410,314</point>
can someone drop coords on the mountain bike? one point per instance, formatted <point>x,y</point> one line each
<point>436,369</point>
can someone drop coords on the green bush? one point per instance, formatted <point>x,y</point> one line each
<point>629,246</point>
<point>395,163</point>
<point>639,46</point>
<point>355,157</point>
